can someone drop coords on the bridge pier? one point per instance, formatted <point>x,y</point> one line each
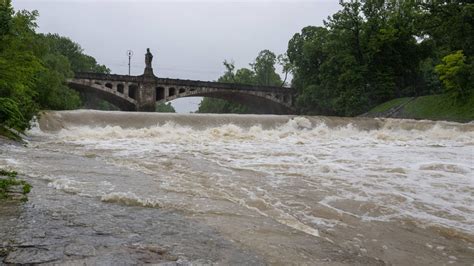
<point>146,95</point>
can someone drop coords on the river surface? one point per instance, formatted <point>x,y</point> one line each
<point>114,187</point>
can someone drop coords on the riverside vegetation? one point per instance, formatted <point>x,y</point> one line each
<point>367,53</point>
<point>8,180</point>
<point>371,52</point>
<point>34,68</point>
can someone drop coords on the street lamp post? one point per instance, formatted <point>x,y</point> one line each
<point>129,54</point>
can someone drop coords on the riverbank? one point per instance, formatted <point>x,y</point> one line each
<point>431,107</point>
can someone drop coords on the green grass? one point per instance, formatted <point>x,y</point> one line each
<point>384,107</point>
<point>440,107</point>
<point>431,107</point>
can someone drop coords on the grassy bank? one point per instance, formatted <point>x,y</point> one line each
<point>432,107</point>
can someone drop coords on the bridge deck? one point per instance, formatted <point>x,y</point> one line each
<point>184,82</point>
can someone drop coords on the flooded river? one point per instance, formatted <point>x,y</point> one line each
<point>114,187</point>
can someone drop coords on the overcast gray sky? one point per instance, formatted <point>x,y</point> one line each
<point>189,39</point>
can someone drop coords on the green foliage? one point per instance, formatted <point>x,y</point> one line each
<point>212,105</point>
<point>50,84</point>
<point>450,24</point>
<point>165,108</point>
<point>6,12</point>
<point>64,57</point>
<point>433,107</point>
<point>34,68</point>
<point>18,63</point>
<point>264,69</point>
<point>440,107</point>
<point>287,66</point>
<point>8,173</point>
<point>6,183</point>
<point>10,115</point>
<point>456,75</point>
<point>372,51</point>
<point>79,62</point>
<point>262,73</point>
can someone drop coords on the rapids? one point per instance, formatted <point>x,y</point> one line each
<point>275,189</point>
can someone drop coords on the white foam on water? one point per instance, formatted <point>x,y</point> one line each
<point>66,185</point>
<point>130,199</point>
<point>402,169</point>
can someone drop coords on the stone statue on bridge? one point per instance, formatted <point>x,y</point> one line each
<point>148,59</point>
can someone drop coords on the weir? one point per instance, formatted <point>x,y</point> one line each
<point>141,93</point>
<point>53,121</point>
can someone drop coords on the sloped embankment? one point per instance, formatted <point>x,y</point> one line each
<point>432,107</point>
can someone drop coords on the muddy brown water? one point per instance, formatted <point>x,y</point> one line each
<point>132,188</point>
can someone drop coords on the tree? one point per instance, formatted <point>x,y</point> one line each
<point>34,68</point>
<point>449,25</point>
<point>6,14</point>
<point>262,73</point>
<point>365,54</point>
<point>18,63</point>
<point>456,75</point>
<point>165,108</point>
<point>264,69</point>
<point>79,61</point>
<point>53,93</point>
<point>285,63</point>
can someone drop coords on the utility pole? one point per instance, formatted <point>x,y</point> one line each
<point>129,54</point>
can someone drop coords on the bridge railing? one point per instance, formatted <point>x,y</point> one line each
<point>111,77</point>
<point>184,82</point>
<point>221,85</point>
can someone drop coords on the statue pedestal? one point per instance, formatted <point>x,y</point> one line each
<point>148,72</point>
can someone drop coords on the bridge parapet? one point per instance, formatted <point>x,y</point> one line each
<point>182,82</point>
<point>221,85</point>
<point>107,77</point>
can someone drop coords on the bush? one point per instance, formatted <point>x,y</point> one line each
<point>11,117</point>
<point>6,183</point>
<point>455,74</point>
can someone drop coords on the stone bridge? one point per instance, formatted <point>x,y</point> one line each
<point>141,93</point>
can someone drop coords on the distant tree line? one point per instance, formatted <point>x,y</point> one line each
<point>261,72</point>
<point>372,51</point>
<point>34,68</point>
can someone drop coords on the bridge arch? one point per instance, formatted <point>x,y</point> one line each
<point>260,103</point>
<point>107,93</point>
